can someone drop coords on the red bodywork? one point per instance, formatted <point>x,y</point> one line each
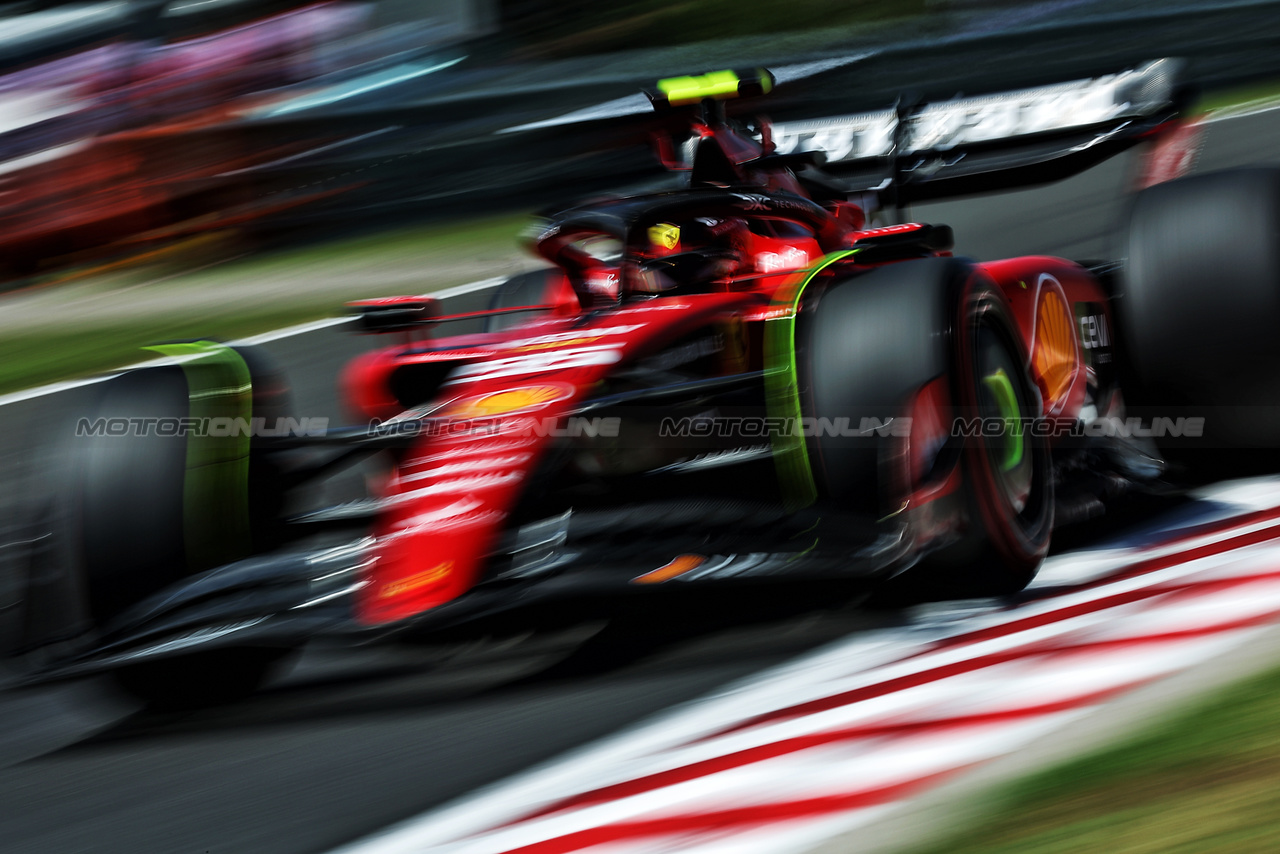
<point>1050,299</point>
<point>450,494</point>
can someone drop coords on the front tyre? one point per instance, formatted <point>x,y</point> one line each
<point>867,346</point>
<point>147,508</point>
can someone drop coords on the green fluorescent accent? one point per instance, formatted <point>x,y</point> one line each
<point>782,390</point>
<point>807,530</point>
<point>795,557</point>
<point>215,491</point>
<point>719,85</point>
<point>1002,389</point>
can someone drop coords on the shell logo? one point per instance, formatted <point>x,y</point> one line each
<point>556,345</point>
<point>428,578</point>
<point>510,400</point>
<point>1054,356</point>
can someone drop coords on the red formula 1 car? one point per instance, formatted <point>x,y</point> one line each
<point>733,383</point>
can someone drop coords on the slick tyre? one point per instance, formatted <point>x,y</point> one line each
<point>867,347</point>
<point>1198,310</point>
<point>129,539</point>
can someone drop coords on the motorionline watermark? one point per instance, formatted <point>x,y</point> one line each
<point>746,427</point>
<point>215,427</point>
<point>1159,427</point>
<point>572,427</point>
<point>755,427</point>
<point>763,427</point>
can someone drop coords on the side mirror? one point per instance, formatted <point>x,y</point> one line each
<point>394,314</point>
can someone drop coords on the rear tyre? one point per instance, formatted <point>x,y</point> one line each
<point>1199,310</point>
<point>127,526</point>
<point>868,347</point>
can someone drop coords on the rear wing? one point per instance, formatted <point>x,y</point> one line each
<point>923,151</point>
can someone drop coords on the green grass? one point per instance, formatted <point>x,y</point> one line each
<point>32,359</point>
<point>444,255</point>
<point>407,245</point>
<point>1207,780</point>
<point>1228,98</point>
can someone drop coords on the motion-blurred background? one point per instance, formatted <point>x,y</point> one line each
<point>138,126</point>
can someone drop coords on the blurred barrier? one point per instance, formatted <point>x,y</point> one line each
<point>443,149</point>
<point>132,143</point>
<point>310,119</point>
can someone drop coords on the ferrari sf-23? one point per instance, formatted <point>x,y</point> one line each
<point>739,381</point>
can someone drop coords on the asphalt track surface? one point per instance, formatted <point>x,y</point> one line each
<point>352,741</point>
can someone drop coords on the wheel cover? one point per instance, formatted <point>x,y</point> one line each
<point>1011,472</point>
<point>215,504</point>
<point>782,386</point>
<point>1000,401</point>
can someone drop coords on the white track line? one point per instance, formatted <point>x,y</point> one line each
<point>290,331</point>
<point>1066,667</point>
<point>263,338</point>
<point>1241,111</point>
